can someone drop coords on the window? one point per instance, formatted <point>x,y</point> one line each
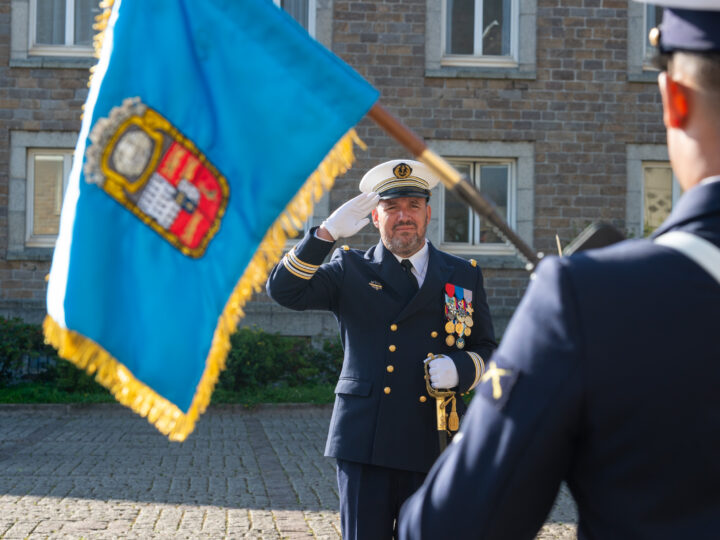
<point>652,189</point>
<point>660,192</point>
<point>48,171</point>
<point>641,19</point>
<point>504,174</point>
<point>481,38</point>
<point>653,18</point>
<point>62,27</point>
<point>39,168</point>
<point>461,226</point>
<point>480,30</point>
<point>303,11</point>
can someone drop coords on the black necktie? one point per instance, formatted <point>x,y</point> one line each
<point>407,266</point>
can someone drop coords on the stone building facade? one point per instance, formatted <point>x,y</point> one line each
<point>549,106</point>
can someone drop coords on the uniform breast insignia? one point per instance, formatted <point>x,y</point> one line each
<point>143,162</point>
<point>375,285</point>
<point>458,315</point>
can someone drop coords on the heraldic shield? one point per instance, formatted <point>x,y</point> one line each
<point>141,160</point>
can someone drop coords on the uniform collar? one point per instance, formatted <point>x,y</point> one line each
<point>419,260</point>
<point>700,200</point>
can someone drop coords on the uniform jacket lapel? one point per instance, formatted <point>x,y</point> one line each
<point>438,273</point>
<point>387,267</point>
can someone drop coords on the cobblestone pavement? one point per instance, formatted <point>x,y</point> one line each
<point>102,472</point>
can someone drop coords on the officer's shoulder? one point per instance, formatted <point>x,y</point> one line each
<point>345,250</point>
<point>459,262</point>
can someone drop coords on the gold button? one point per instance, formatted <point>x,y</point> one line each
<point>346,248</point>
<point>393,327</point>
<point>387,390</point>
<point>392,348</point>
<point>423,399</point>
<point>433,334</point>
<point>390,369</point>
<point>473,262</point>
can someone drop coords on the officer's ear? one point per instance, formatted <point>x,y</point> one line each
<point>676,98</point>
<point>375,218</point>
<point>429,213</point>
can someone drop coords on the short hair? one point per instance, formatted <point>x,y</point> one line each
<point>704,68</point>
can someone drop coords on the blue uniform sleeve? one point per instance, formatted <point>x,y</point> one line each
<point>500,476</point>
<point>300,281</point>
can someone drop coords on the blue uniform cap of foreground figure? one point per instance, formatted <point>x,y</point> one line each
<point>688,26</point>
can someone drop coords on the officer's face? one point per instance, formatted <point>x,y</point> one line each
<point>402,223</point>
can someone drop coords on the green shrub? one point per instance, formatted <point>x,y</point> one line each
<point>258,358</point>
<point>19,340</point>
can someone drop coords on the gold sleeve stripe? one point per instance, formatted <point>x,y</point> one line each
<point>479,368</point>
<point>302,264</point>
<point>297,267</point>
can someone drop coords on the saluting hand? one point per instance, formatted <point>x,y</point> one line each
<point>351,216</point>
<point>443,373</point>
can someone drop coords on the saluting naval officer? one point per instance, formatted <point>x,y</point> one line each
<point>608,375</point>
<point>394,305</point>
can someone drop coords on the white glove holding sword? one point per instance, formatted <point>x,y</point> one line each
<point>443,373</point>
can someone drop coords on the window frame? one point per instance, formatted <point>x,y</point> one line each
<point>496,248</point>
<point>67,49</point>
<point>639,156</point>
<point>42,240</point>
<point>480,60</point>
<point>523,153</point>
<point>21,142</point>
<point>312,15</point>
<point>488,67</point>
<point>639,66</point>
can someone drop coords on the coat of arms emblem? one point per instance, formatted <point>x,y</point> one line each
<point>141,160</point>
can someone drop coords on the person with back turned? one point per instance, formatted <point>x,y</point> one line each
<point>607,376</point>
<point>394,304</point>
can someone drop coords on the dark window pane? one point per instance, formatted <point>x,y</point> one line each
<point>457,214</point>
<point>460,26</point>
<point>85,13</point>
<point>496,31</point>
<point>50,22</point>
<point>298,9</point>
<point>494,186</point>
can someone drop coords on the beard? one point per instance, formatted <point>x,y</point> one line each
<point>406,244</point>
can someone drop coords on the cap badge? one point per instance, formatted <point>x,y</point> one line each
<point>402,170</point>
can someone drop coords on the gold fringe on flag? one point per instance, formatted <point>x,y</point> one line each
<point>167,417</point>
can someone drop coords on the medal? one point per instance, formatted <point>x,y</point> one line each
<point>450,340</point>
<point>449,327</point>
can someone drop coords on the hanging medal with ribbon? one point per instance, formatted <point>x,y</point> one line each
<point>458,315</point>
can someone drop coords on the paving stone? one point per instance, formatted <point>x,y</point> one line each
<point>101,472</point>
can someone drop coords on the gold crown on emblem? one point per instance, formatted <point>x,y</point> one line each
<point>402,170</point>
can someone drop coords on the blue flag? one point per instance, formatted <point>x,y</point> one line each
<point>209,130</point>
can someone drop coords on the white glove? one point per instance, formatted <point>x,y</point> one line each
<point>443,373</point>
<point>351,216</point>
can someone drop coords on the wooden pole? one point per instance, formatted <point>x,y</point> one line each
<point>453,181</point>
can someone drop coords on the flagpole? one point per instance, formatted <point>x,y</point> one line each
<point>452,180</point>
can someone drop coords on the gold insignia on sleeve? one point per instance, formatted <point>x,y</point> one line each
<point>493,374</point>
<point>375,285</point>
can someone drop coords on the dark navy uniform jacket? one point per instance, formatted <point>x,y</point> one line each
<point>611,381</point>
<point>383,415</point>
